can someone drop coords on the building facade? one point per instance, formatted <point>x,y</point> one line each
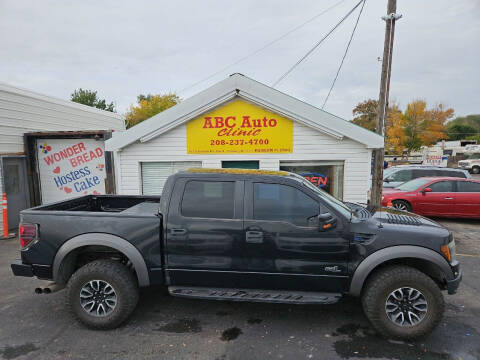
<point>37,130</point>
<point>241,123</point>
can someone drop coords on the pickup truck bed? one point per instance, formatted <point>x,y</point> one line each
<point>105,203</point>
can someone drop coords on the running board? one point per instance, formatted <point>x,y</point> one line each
<point>255,295</point>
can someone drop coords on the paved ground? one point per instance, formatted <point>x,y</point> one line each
<point>39,327</point>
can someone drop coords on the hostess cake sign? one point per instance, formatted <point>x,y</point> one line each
<point>70,168</point>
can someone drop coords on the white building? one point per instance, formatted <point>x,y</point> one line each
<point>242,123</point>
<point>29,116</point>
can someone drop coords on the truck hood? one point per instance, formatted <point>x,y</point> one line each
<point>385,215</point>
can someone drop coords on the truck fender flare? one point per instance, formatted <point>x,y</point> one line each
<point>395,252</point>
<point>102,239</point>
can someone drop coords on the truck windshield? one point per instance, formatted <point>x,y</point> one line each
<point>329,199</point>
<point>413,184</point>
<point>474,156</point>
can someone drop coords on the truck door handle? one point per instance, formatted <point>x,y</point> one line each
<point>448,198</point>
<point>254,237</point>
<point>178,231</point>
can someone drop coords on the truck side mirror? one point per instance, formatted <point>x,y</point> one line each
<point>326,221</point>
<point>426,190</point>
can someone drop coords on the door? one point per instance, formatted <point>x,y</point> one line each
<point>205,237</point>
<point>440,201</point>
<point>468,199</point>
<point>285,248</point>
<point>15,180</point>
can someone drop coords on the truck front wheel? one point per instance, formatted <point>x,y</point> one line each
<point>403,303</point>
<point>476,169</point>
<point>102,294</point>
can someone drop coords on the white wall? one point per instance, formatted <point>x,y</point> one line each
<point>23,111</point>
<point>308,144</point>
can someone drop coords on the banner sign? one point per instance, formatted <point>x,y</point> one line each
<point>70,168</point>
<point>435,160</point>
<point>239,128</point>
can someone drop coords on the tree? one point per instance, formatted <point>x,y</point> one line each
<point>459,131</point>
<point>148,106</point>
<point>417,126</point>
<point>365,114</point>
<point>90,98</point>
<point>469,120</point>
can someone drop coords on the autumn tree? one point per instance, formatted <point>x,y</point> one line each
<point>417,126</point>
<point>365,114</point>
<point>148,106</point>
<point>90,98</point>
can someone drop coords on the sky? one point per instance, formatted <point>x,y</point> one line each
<point>125,48</point>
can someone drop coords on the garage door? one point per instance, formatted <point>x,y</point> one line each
<point>155,174</point>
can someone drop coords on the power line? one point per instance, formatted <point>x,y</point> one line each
<point>345,54</point>
<point>316,45</point>
<point>263,47</point>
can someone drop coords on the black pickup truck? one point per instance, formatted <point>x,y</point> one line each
<point>240,235</point>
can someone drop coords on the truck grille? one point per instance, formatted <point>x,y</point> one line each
<point>402,220</point>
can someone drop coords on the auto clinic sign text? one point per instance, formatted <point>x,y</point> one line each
<point>239,127</point>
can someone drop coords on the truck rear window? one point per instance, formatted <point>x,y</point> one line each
<point>208,199</point>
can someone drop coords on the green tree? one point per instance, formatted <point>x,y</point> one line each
<point>469,120</point>
<point>459,131</point>
<point>90,98</point>
<point>148,106</point>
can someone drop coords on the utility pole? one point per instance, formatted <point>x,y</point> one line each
<point>378,154</point>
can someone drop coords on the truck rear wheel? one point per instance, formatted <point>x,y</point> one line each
<point>102,294</point>
<point>403,303</point>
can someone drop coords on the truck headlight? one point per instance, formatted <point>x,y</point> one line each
<point>449,251</point>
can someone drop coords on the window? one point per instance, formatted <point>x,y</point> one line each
<point>208,199</point>
<point>326,175</point>
<point>442,186</point>
<point>468,186</point>
<point>452,173</point>
<point>402,175</point>
<point>283,203</point>
<point>424,173</point>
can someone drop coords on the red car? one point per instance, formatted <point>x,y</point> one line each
<point>436,196</point>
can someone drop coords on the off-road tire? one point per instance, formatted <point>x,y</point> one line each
<point>407,205</point>
<point>389,279</point>
<point>119,277</point>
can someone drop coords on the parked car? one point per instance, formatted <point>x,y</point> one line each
<point>240,235</point>
<point>444,197</point>
<point>472,164</point>
<point>397,175</point>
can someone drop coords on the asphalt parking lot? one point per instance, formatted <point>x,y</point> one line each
<point>40,327</point>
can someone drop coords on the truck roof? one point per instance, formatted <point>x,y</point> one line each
<point>239,171</point>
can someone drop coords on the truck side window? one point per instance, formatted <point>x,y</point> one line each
<point>283,203</point>
<point>208,199</point>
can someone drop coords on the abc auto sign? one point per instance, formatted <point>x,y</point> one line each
<point>239,128</point>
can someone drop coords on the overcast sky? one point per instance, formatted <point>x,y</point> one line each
<point>124,48</point>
